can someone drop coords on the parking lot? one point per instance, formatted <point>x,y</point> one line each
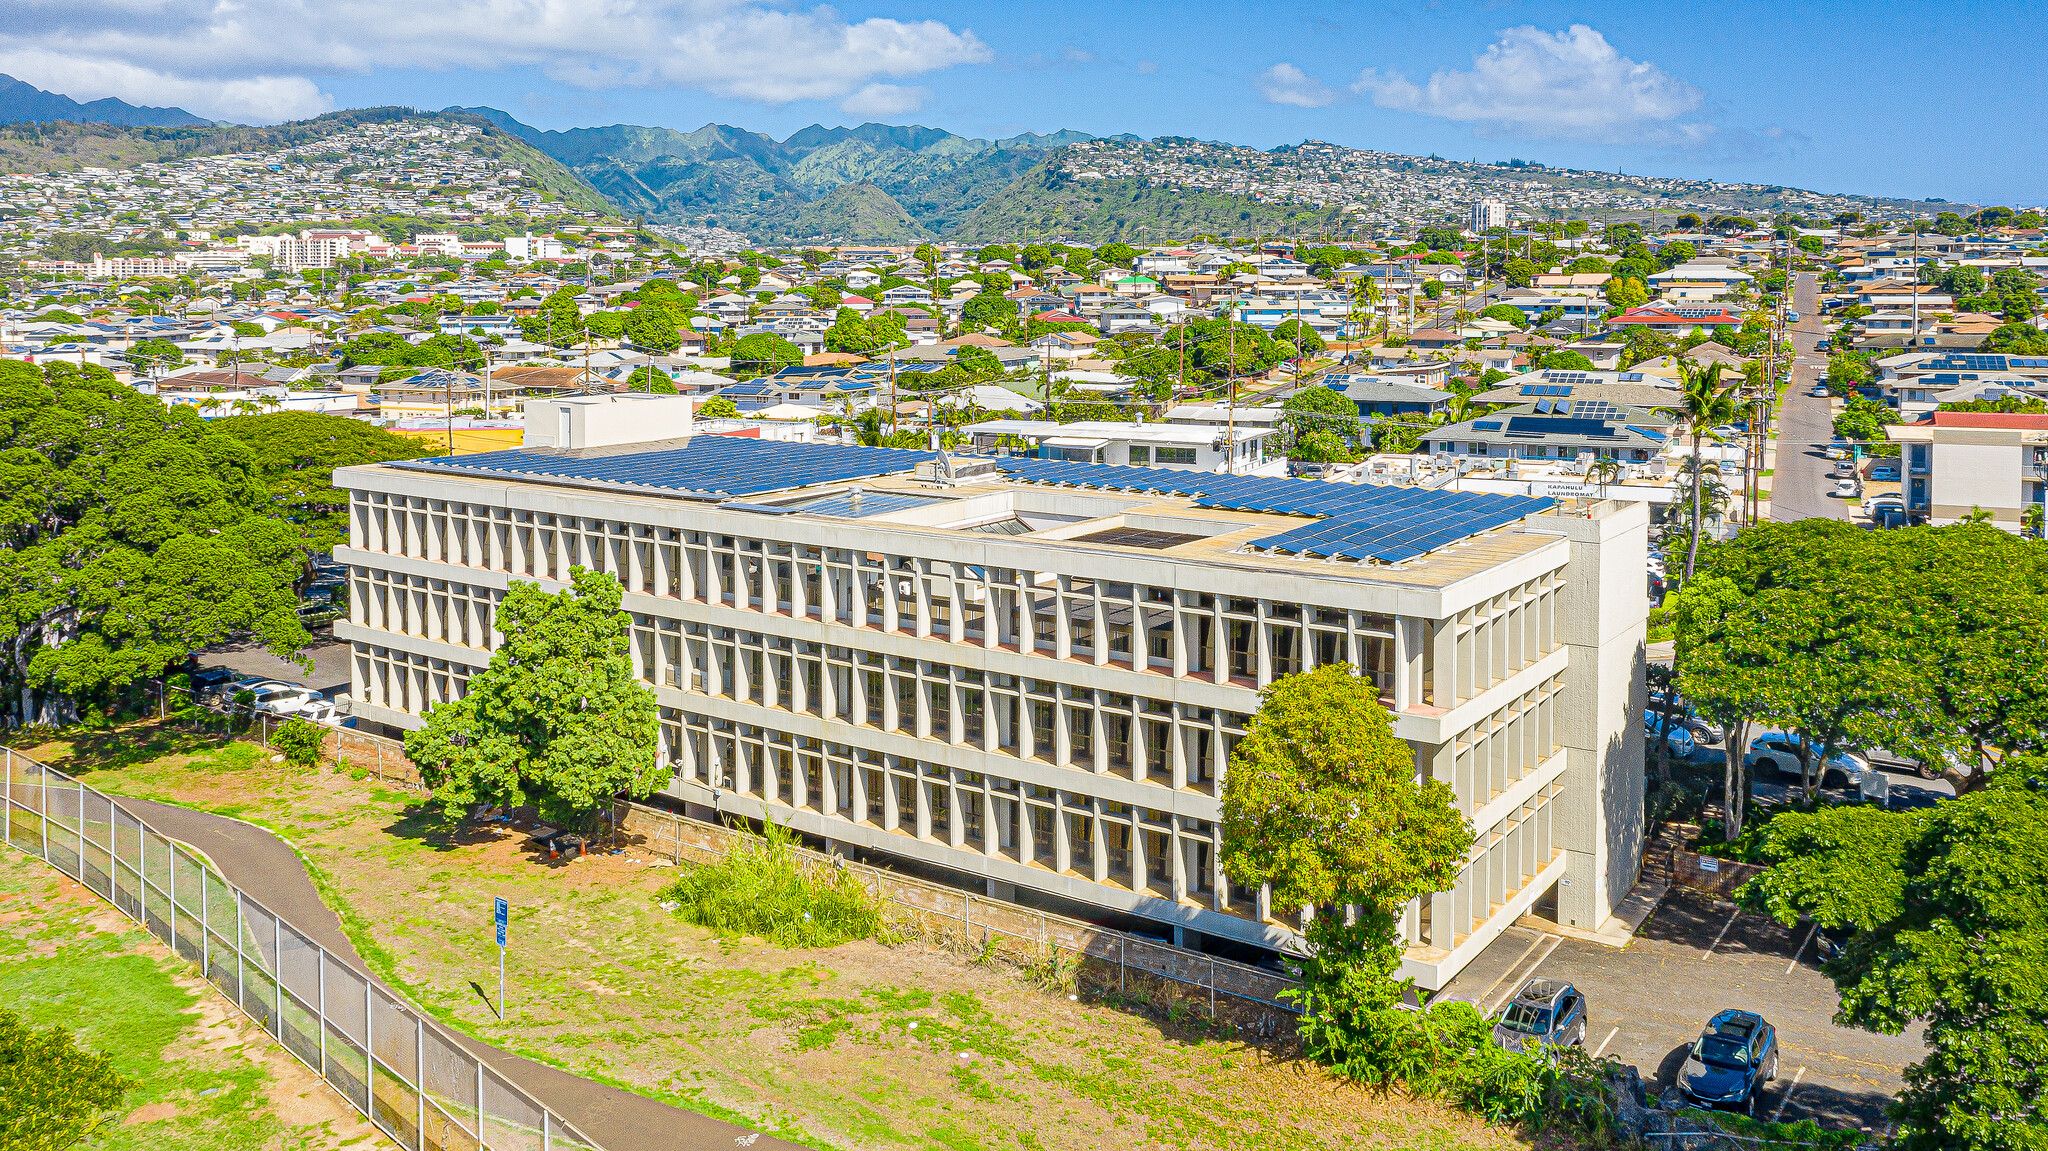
<point>1647,1002</point>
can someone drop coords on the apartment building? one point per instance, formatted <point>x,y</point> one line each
<point>1958,463</point>
<point>1031,673</point>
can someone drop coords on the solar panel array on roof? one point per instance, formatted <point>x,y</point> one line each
<point>1486,426</point>
<point>1556,426</point>
<point>1545,390</point>
<point>709,466</point>
<point>1395,538</point>
<point>1355,521</point>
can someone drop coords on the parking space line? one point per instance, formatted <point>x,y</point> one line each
<point>1801,949</point>
<point>1724,930</point>
<point>1605,1042</point>
<point>1787,1097</point>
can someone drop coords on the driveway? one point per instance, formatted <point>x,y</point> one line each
<point>330,658</point>
<point>1647,1002</point>
<point>1801,479</point>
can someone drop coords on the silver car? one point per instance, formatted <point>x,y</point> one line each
<point>1546,1012</point>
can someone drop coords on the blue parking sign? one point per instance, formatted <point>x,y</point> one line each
<point>504,917</point>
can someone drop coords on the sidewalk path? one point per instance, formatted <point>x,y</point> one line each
<point>262,865</point>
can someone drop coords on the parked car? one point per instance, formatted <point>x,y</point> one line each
<point>1845,488</point>
<point>1823,345</point>
<point>275,698</point>
<point>1820,392</point>
<point>1845,468</point>
<point>1546,1012</point>
<point>1731,1061</point>
<point>1678,740</point>
<point>1702,730</point>
<point>1885,471</point>
<point>1791,316</point>
<point>1778,751</point>
<point>209,681</point>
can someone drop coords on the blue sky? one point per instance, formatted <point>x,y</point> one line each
<point>1868,98</point>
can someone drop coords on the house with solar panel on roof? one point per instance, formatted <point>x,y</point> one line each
<point>1027,675</point>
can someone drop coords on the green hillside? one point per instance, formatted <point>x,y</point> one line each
<point>63,146</point>
<point>861,212</point>
<point>1046,203</point>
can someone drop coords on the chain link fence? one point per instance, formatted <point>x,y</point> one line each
<point>1175,979</point>
<point>408,1074</point>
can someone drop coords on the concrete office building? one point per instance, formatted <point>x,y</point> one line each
<point>1031,672</point>
<point>1488,214</point>
<point>1960,463</point>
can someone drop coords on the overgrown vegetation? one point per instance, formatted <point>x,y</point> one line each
<point>765,889</point>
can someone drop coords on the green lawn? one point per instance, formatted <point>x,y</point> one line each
<point>868,1044</point>
<point>207,1079</point>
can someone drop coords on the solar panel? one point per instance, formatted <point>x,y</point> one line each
<point>706,465</point>
<point>1494,425</point>
<point>1557,426</point>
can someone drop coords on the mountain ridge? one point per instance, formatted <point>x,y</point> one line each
<point>24,103</point>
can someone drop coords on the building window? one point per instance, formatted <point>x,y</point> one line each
<point>1141,454</point>
<point>1478,449</point>
<point>1175,455</point>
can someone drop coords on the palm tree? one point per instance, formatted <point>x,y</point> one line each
<point>1366,289</point>
<point>1603,471</point>
<point>1703,405</point>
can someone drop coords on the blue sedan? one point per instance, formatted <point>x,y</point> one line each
<point>1731,1061</point>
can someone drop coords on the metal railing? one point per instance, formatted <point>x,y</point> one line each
<point>409,1075</point>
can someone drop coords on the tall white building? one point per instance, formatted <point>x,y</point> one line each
<point>1030,673</point>
<point>1488,214</point>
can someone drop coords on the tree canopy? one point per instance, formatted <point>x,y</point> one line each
<point>1322,802</point>
<point>558,720</point>
<point>295,454</point>
<point>131,536</point>
<point>764,352</point>
<point>1948,907</point>
<point>1932,642</point>
<point>53,1095</point>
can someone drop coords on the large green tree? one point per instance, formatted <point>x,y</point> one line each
<point>296,453</point>
<point>764,352</point>
<point>1322,802</point>
<point>1929,641</point>
<point>1947,910</point>
<point>558,720</point>
<point>131,536</point>
<point>53,1095</point>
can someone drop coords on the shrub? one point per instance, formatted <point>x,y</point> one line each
<point>301,741</point>
<point>765,888</point>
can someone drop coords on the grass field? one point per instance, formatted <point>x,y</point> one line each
<point>866,1044</point>
<point>208,1079</point>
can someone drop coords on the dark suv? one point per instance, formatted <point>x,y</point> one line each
<point>1731,1061</point>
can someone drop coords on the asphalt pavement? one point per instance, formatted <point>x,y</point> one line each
<point>1802,480</point>
<point>267,869</point>
<point>1647,1002</point>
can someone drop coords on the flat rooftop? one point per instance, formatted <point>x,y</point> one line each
<point>1223,517</point>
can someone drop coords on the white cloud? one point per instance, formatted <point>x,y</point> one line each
<point>257,97</point>
<point>1286,84</point>
<point>1147,67</point>
<point>881,101</point>
<point>226,53</point>
<point>1564,85</point>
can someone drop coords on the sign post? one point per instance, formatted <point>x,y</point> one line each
<point>503,917</point>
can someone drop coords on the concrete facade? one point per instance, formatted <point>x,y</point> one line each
<point>1053,709</point>
<point>1957,464</point>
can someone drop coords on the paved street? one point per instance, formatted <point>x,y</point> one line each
<point>1802,480</point>
<point>1647,1002</point>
